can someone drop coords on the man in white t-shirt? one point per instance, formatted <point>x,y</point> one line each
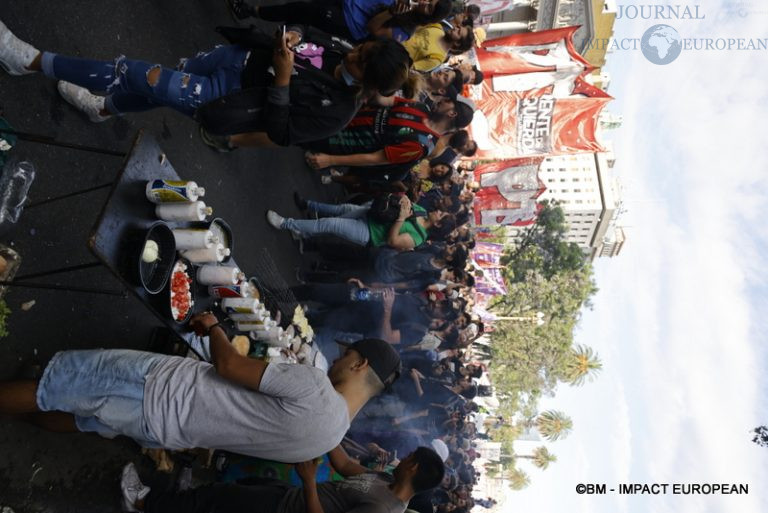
<point>282,412</point>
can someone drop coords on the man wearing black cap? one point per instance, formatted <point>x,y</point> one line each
<point>281,412</point>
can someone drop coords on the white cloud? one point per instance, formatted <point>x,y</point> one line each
<point>674,320</point>
<point>697,146</point>
<point>678,320</point>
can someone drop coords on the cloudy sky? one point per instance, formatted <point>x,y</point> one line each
<point>680,319</point>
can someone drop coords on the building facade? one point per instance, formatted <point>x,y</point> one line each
<point>586,189</point>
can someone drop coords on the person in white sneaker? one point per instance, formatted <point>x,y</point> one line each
<point>250,92</point>
<point>134,491</point>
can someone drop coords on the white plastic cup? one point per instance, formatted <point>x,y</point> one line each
<point>214,254</point>
<point>256,317</point>
<point>218,275</point>
<point>246,305</point>
<point>175,212</point>
<point>279,341</point>
<point>266,330</point>
<point>190,238</point>
<point>259,330</point>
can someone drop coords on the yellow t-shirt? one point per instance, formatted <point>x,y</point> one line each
<point>425,47</point>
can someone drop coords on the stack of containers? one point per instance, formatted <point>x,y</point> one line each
<point>179,202</point>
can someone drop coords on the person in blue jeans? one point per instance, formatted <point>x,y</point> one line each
<point>262,93</point>
<point>351,222</point>
<point>132,85</point>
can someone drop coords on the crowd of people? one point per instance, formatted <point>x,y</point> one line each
<point>373,91</point>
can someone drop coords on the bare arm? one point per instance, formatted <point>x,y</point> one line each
<point>416,377</point>
<point>228,363</point>
<point>307,471</point>
<point>385,330</point>
<point>406,418</point>
<point>376,24</point>
<point>323,160</point>
<point>440,147</point>
<point>343,464</point>
<point>396,239</point>
<point>399,240</point>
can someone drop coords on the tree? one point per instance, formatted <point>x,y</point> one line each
<point>561,296</point>
<point>544,248</point>
<point>541,457</point>
<point>761,436</point>
<point>553,425</point>
<point>580,365</point>
<point>518,479</point>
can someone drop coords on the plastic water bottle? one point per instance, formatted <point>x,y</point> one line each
<point>15,181</point>
<point>358,294</point>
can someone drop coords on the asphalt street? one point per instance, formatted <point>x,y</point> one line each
<point>43,472</point>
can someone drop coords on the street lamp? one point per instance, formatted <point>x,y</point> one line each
<point>537,318</point>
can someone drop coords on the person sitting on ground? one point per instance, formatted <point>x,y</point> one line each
<point>222,88</point>
<point>354,20</point>
<point>384,136</point>
<point>362,490</point>
<point>352,223</point>
<point>430,45</point>
<point>281,412</point>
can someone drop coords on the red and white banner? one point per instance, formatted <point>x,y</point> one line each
<point>531,61</point>
<point>537,101</point>
<point>508,192</point>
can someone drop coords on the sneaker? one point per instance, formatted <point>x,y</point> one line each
<point>219,143</point>
<point>15,54</point>
<point>300,202</point>
<point>275,219</point>
<point>240,9</point>
<point>132,487</point>
<point>83,100</point>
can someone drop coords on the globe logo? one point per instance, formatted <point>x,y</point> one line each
<point>661,44</point>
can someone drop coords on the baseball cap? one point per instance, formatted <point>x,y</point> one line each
<point>381,356</point>
<point>440,448</point>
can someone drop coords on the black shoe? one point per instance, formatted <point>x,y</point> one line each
<point>300,202</point>
<point>218,143</point>
<point>240,9</point>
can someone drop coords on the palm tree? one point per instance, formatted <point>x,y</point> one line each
<point>761,436</point>
<point>581,365</point>
<point>541,457</point>
<point>518,479</point>
<point>553,425</point>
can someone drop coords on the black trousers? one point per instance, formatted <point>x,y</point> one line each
<point>219,498</point>
<point>326,15</point>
